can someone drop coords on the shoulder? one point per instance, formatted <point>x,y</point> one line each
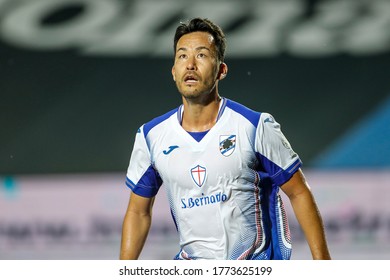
<point>147,127</point>
<point>246,112</point>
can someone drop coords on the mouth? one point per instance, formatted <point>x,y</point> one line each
<point>190,79</point>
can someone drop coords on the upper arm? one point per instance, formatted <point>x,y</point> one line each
<point>140,205</point>
<point>136,226</point>
<point>296,185</point>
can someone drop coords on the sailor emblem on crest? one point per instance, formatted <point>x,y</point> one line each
<point>227,144</point>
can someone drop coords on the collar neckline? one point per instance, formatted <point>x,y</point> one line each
<point>222,106</point>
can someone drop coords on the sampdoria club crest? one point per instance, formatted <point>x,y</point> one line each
<point>227,144</point>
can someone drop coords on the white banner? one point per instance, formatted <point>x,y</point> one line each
<point>207,270</point>
<point>133,28</point>
<point>78,217</point>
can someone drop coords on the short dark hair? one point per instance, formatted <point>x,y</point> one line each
<point>202,25</point>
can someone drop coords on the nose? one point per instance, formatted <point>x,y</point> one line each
<point>191,63</point>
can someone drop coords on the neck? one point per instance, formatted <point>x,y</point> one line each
<point>200,116</point>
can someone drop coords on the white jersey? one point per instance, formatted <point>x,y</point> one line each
<point>224,189</point>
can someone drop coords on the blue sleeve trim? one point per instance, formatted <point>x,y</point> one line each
<point>284,175</point>
<point>276,173</point>
<point>148,185</point>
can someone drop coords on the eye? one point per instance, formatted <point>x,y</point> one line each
<point>182,56</point>
<point>201,55</point>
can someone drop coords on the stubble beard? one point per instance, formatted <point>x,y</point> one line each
<point>194,95</point>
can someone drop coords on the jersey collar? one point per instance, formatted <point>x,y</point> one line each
<point>222,106</point>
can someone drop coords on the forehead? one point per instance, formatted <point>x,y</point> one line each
<point>194,40</point>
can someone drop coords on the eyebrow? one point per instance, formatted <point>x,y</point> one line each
<point>198,49</point>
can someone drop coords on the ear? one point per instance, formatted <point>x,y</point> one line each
<point>173,73</point>
<point>223,69</point>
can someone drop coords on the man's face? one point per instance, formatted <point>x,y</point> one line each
<point>196,66</point>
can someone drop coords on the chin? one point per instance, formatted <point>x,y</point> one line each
<point>190,95</point>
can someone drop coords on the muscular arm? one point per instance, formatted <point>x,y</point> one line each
<point>307,214</point>
<point>136,226</point>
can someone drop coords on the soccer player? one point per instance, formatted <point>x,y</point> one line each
<point>222,165</point>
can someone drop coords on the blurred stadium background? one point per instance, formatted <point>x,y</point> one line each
<point>78,77</point>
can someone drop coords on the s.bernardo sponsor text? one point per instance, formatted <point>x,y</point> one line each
<point>203,200</point>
